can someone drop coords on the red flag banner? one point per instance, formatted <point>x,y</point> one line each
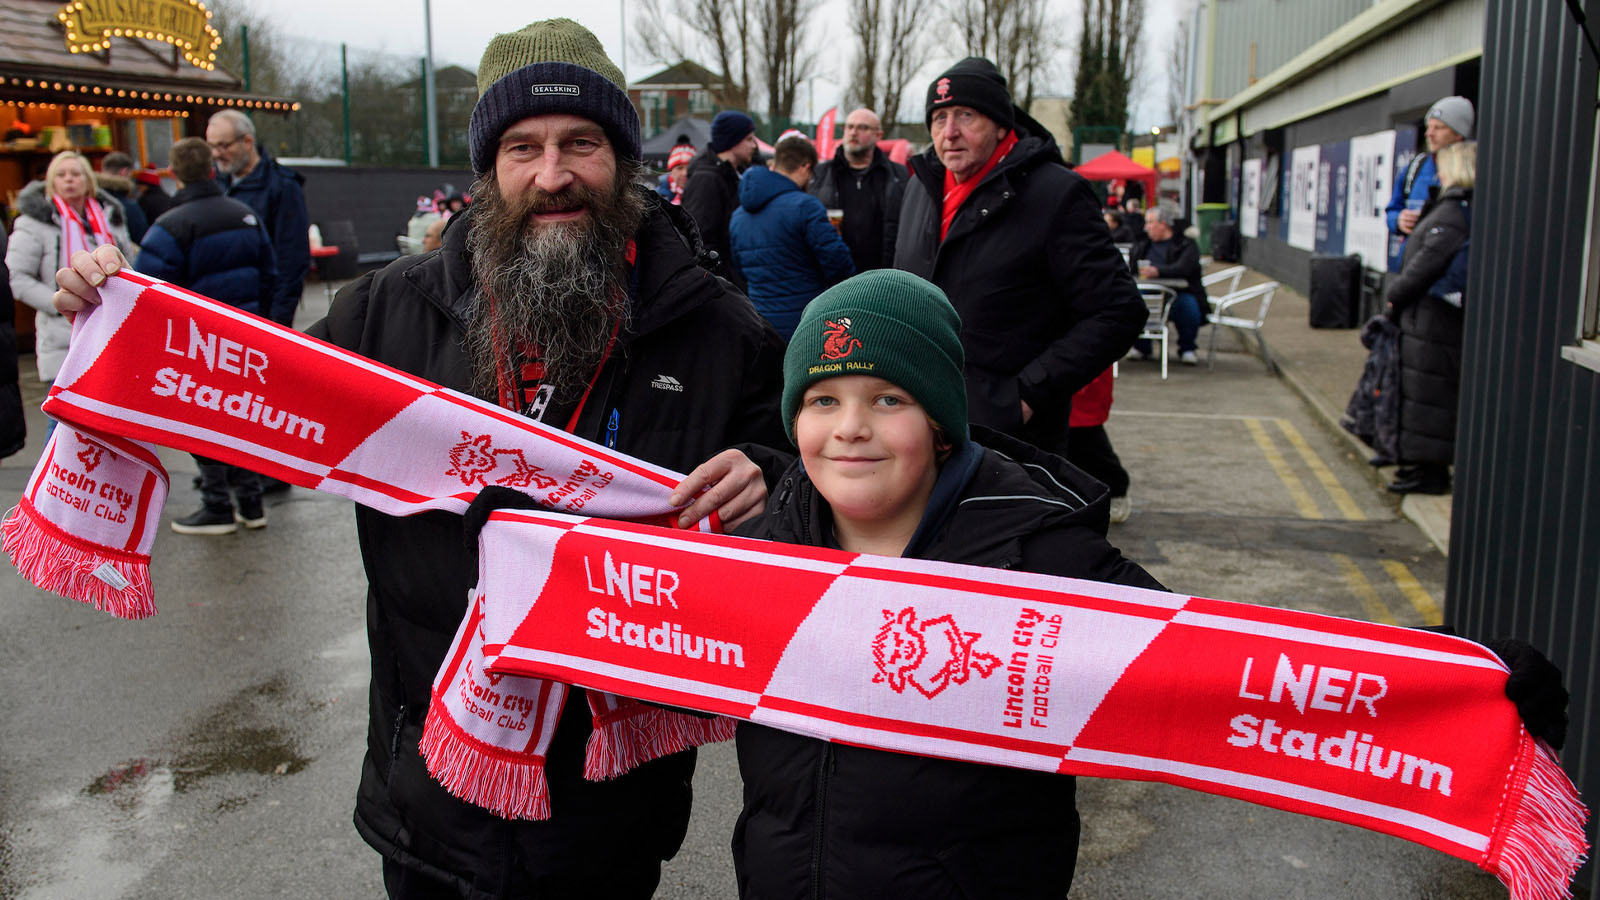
<point>825,140</point>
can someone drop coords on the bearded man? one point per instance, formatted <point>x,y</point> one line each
<point>867,186</point>
<point>249,174</point>
<point>572,295</point>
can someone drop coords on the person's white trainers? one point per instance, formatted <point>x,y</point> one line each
<point>1189,358</point>
<point>1121,508</point>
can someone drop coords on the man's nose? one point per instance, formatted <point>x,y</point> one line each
<point>553,175</point>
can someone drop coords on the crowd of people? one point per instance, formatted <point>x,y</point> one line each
<point>978,292</point>
<point>236,230</point>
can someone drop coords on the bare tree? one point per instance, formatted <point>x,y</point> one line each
<point>889,38</point>
<point>1016,35</point>
<point>670,31</point>
<point>1178,67</point>
<point>786,60</point>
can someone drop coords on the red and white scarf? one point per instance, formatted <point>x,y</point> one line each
<point>154,364</point>
<point>1401,731</point>
<point>75,234</point>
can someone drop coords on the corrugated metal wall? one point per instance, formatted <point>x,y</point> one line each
<point>1279,29</point>
<point>1525,530</point>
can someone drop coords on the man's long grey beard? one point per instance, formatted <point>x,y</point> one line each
<point>560,288</point>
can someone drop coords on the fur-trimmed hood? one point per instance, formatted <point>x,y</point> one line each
<point>121,185</point>
<point>35,204</point>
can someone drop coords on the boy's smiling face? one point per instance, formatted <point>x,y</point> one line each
<point>871,450</point>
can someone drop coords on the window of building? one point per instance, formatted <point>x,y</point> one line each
<point>1586,350</point>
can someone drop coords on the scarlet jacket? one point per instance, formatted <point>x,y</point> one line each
<point>697,371</point>
<point>834,821</point>
<point>1046,302</point>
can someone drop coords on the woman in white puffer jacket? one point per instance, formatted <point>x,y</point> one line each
<point>34,252</point>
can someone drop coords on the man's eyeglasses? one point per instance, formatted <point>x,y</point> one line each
<point>222,146</point>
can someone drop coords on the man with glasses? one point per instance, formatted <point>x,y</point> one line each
<point>861,181</point>
<point>250,174</point>
<point>1016,241</point>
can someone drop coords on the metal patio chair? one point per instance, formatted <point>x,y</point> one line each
<point>1158,303</point>
<point>1226,312</point>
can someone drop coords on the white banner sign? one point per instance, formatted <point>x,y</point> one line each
<point>1371,180</point>
<point>1302,211</point>
<point>1250,198</point>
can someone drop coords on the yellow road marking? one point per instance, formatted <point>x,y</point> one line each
<point>1414,591</point>
<point>1341,497</point>
<point>1297,491</point>
<point>1377,611</point>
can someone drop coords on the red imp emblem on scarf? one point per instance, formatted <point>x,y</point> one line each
<point>90,454</point>
<point>837,341</point>
<point>943,90</point>
<point>475,458</point>
<point>929,656</point>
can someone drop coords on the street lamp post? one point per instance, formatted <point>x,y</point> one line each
<point>428,86</point>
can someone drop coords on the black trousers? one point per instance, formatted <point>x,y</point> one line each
<point>1089,448</point>
<point>625,877</point>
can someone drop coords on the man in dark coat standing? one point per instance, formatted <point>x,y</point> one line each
<point>213,245</point>
<point>249,173</point>
<point>571,295</point>
<point>712,192</point>
<point>868,187</point>
<point>1016,241</point>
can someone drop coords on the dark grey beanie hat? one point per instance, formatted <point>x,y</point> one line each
<point>553,66</point>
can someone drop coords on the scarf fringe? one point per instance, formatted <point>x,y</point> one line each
<point>1543,844</point>
<point>645,733</point>
<point>53,560</point>
<point>512,786</point>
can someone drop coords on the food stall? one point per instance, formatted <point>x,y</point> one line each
<point>104,75</point>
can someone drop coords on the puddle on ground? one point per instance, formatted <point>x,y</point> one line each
<point>230,740</point>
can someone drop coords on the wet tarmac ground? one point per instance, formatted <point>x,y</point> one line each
<point>213,750</point>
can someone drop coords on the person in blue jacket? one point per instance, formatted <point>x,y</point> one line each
<point>1448,122</point>
<point>782,240</point>
<point>216,246</point>
<point>248,173</point>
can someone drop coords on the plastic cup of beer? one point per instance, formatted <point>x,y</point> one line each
<point>835,217</point>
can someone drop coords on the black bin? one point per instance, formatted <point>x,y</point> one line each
<point>1335,291</point>
<point>1225,241</point>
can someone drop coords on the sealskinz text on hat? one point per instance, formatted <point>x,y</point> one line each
<point>1455,112</point>
<point>973,82</point>
<point>553,66</point>
<point>888,324</point>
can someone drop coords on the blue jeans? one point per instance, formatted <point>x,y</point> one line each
<point>1186,315</point>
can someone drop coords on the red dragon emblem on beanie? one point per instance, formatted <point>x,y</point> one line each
<point>837,341</point>
<point>929,655</point>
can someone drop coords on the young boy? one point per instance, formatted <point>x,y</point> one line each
<point>874,398</point>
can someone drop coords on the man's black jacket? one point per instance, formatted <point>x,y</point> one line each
<point>1183,261</point>
<point>1046,303</point>
<point>696,371</point>
<point>871,213</point>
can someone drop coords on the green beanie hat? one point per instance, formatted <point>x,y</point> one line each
<point>888,324</point>
<point>553,66</point>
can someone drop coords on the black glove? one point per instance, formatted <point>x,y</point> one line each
<point>489,499</point>
<point>1535,687</point>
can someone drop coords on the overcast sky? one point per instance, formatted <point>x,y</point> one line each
<point>462,28</point>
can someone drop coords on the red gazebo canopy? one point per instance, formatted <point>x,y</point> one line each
<point>1113,166</point>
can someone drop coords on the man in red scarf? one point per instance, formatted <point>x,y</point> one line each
<point>994,217</point>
